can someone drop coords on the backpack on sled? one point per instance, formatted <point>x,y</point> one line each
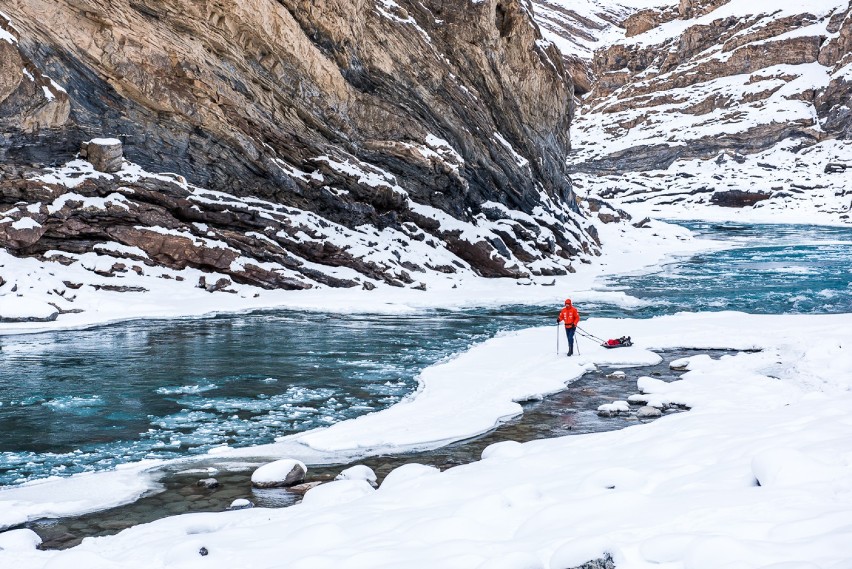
<point>622,342</point>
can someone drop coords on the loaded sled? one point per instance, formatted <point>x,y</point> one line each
<point>622,342</point>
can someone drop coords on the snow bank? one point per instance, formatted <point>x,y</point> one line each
<point>89,492</point>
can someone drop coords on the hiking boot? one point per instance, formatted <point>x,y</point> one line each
<point>570,354</point>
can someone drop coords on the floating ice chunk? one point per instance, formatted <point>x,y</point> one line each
<point>186,389</point>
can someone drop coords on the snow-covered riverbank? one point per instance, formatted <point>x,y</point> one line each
<point>40,287</point>
<point>682,490</point>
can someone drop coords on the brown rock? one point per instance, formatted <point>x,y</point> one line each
<point>738,198</point>
<point>327,106</point>
<point>105,154</point>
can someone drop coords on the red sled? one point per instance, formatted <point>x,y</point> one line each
<point>622,342</point>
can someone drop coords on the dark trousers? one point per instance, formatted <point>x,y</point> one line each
<point>570,333</point>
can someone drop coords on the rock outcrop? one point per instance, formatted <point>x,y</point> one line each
<point>29,100</point>
<point>693,101</point>
<point>420,117</point>
<point>709,76</point>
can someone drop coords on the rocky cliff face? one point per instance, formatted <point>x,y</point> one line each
<point>700,77</point>
<point>440,123</point>
<point>691,98</point>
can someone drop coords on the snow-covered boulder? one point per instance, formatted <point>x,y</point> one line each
<point>613,409</point>
<point>208,483</point>
<point>241,504</point>
<point>19,540</point>
<point>285,472</point>
<point>648,412</point>
<point>504,449</point>
<point>358,472</point>
<point>14,308</point>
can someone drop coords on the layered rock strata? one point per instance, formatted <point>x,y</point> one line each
<point>698,78</point>
<point>448,121</point>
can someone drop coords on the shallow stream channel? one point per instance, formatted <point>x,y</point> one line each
<point>93,399</point>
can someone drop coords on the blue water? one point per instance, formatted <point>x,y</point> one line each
<point>87,400</point>
<point>763,269</point>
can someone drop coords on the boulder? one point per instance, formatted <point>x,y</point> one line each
<point>281,473</point>
<point>373,114</point>
<point>738,198</point>
<point>303,488</point>
<point>358,472</point>
<point>208,483</point>
<point>241,504</point>
<point>613,409</point>
<point>105,154</point>
<point>648,412</point>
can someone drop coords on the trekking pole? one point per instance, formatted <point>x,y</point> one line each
<point>557,338</point>
<point>577,341</point>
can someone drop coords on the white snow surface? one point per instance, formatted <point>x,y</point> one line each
<point>799,191</point>
<point>757,474</point>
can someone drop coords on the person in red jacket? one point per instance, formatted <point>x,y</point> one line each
<point>571,318</point>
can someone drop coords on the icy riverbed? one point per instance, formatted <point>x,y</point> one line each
<point>757,473</point>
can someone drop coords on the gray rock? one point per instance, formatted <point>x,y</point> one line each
<point>274,475</point>
<point>302,488</point>
<point>648,412</point>
<point>105,154</point>
<point>208,483</point>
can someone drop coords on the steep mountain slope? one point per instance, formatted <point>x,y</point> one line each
<point>389,138</point>
<point>761,89</point>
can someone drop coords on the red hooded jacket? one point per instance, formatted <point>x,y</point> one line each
<point>570,316</point>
